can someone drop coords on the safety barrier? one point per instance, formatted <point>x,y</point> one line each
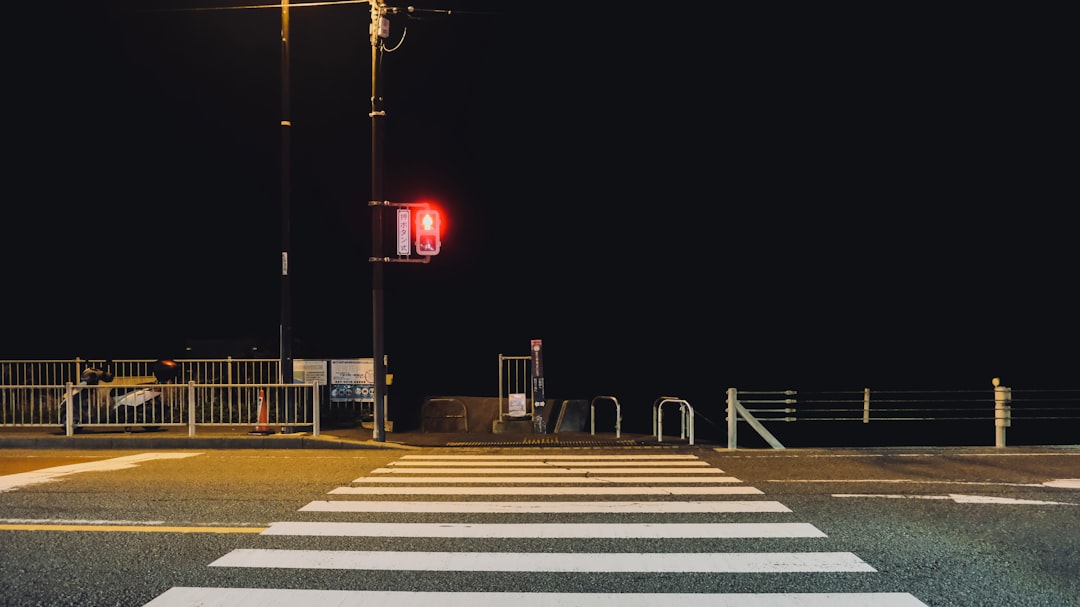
<point>225,392</point>
<point>204,371</point>
<point>686,417</point>
<point>71,406</point>
<point>618,415</point>
<point>515,382</point>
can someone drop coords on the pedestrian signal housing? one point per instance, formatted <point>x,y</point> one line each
<point>428,240</point>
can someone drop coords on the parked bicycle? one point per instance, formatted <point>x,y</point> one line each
<point>128,404</point>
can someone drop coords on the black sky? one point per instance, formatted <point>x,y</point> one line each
<point>675,202</point>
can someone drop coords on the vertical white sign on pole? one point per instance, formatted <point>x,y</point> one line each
<point>404,232</point>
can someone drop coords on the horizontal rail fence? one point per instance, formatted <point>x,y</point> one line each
<point>223,392</point>
<point>869,406</point>
<point>940,410</point>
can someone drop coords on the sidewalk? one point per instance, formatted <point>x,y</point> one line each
<point>356,437</point>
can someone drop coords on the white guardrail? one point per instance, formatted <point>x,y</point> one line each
<point>76,393</point>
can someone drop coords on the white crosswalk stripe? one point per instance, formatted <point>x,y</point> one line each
<point>658,486</point>
<point>547,530</point>
<point>582,491</point>
<point>665,562</point>
<point>546,507</point>
<point>282,597</point>
<point>561,469</point>
<point>537,480</point>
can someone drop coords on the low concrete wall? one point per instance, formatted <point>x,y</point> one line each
<point>444,414</point>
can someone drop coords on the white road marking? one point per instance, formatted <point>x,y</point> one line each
<point>546,457</point>
<point>564,562</point>
<point>488,469</point>
<point>946,453</point>
<point>1064,483</point>
<point>73,521</point>
<point>841,480</point>
<point>614,507</point>
<point>537,480</point>
<point>272,597</point>
<point>959,499</point>
<point>728,490</point>
<point>549,470</point>
<point>546,530</point>
<point>11,482</point>
<point>904,480</point>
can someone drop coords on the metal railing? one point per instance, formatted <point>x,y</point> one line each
<point>72,406</point>
<point>515,381</point>
<point>592,414</point>
<point>204,371</point>
<point>686,418</point>
<point>225,392</point>
<point>210,392</point>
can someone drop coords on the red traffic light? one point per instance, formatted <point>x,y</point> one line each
<point>428,225</point>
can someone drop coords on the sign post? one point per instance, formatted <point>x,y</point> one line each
<point>538,386</point>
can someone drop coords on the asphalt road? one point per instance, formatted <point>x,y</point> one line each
<point>566,526</point>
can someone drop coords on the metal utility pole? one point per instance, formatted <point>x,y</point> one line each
<point>285,330</point>
<point>379,27</point>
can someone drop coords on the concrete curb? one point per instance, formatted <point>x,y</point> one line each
<point>193,442</point>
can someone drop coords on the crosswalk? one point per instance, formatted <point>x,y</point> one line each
<point>643,502</point>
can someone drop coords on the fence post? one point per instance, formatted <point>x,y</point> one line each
<point>69,409</point>
<point>191,409</point>
<point>316,411</point>
<point>1002,411</point>
<point>732,421</point>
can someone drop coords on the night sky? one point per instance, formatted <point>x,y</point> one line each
<point>676,200</point>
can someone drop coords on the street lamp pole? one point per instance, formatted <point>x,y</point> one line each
<point>285,330</point>
<point>378,17</point>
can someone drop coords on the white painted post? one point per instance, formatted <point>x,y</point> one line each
<point>69,409</point>
<point>731,419</point>
<point>658,422</point>
<point>1002,411</point>
<point>191,408</point>
<point>691,423</point>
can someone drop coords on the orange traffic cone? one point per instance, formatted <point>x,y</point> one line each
<point>264,417</point>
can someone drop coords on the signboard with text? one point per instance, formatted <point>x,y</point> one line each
<point>309,372</point>
<point>352,379</point>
